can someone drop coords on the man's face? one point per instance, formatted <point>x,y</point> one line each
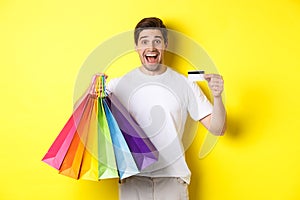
<point>150,47</point>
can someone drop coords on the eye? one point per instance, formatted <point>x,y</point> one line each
<point>144,42</point>
<point>157,42</point>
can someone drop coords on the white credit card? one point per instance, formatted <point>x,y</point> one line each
<point>197,75</point>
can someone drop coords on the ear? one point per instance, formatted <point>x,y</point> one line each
<point>166,44</point>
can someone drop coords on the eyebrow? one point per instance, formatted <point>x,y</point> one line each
<point>157,36</point>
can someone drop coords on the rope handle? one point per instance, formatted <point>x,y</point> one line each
<point>100,87</point>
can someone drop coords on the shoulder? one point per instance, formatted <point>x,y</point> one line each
<point>183,80</point>
<point>112,83</point>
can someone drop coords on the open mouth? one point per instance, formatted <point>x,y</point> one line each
<point>151,57</point>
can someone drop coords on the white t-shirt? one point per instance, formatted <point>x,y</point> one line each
<point>160,104</point>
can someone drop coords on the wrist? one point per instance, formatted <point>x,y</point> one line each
<point>219,97</point>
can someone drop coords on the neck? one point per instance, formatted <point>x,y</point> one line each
<point>159,70</point>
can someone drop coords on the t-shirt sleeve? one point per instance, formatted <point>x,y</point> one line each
<point>111,85</point>
<point>198,104</point>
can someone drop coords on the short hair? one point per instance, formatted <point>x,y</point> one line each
<point>150,23</point>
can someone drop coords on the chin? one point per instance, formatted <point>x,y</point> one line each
<point>152,67</point>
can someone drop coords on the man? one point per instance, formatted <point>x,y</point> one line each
<point>160,99</point>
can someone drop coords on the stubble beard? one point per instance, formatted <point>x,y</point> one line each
<point>153,67</point>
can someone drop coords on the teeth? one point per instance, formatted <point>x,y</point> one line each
<point>151,54</point>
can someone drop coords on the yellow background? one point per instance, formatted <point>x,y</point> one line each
<point>254,44</point>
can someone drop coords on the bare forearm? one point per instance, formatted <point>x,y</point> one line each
<point>218,117</point>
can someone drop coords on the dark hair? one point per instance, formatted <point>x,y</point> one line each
<point>150,23</point>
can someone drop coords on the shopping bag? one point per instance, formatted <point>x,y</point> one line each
<point>101,151</point>
<point>89,167</point>
<point>73,159</point>
<point>142,149</point>
<point>106,158</point>
<point>125,161</point>
<point>93,145</point>
<point>56,153</point>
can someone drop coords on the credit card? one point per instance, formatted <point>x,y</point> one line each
<point>197,75</point>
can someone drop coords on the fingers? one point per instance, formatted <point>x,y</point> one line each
<point>215,83</point>
<point>212,76</point>
<point>96,76</point>
<point>99,74</point>
<point>214,79</point>
<point>95,87</point>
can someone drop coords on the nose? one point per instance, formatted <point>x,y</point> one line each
<point>152,46</point>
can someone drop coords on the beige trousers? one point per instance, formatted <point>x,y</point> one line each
<point>147,188</point>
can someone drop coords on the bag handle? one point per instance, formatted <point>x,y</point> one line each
<point>100,88</point>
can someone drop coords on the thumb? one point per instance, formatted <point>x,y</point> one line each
<point>207,77</point>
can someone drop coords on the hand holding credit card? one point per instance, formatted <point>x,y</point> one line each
<point>197,75</point>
